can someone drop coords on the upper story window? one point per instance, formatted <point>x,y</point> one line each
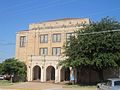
<point>56,38</point>
<point>22,41</point>
<point>68,35</point>
<point>56,51</point>
<point>44,38</point>
<point>43,51</point>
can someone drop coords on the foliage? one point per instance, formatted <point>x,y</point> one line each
<point>96,47</point>
<point>104,24</point>
<point>14,67</point>
<point>0,68</point>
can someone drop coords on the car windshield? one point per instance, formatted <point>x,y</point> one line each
<point>117,83</point>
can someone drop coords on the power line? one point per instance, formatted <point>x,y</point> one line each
<point>48,5</point>
<point>53,4</point>
<point>110,10</point>
<point>44,6</point>
<point>118,30</point>
<point>7,44</point>
<point>17,5</point>
<point>37,6</point>
<point>64,3</point>
<point>92,33</point>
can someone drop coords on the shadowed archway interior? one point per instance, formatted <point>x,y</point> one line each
<point>50,73</point>
<point>36,73</point>
<point>65,74</point>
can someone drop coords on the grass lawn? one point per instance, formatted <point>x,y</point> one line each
<point>5,83</point>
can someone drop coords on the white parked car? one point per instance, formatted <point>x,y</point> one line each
<point>110,84</point>
<point>1,77</point>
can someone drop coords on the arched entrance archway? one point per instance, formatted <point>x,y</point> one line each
<point>36,73</point>
<point>50,73</point>
<point>65,74</point>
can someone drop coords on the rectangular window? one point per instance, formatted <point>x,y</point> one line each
<point>68,35</point>
<point>56,51</point>
<point>56,38</point>
<point>43,51</point>
<point>117,83</point>
<point>22,41</point>
<point>44,38</point>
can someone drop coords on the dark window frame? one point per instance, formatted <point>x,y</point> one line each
<point>70,34</point>
<point>55,40</point>
<point>22,41</point>
<point>44,40</point>
<point>43,51</point>
<point>56,51</point>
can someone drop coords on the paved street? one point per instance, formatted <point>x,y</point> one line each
<point>41,86</point>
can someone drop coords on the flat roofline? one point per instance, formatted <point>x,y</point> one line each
<point>22,31</point>
<point>59,20</point>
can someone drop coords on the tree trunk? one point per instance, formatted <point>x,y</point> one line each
<point>89,76</point>
<point>74,76</point>
<point>74,72</point>
<point>100,74</point>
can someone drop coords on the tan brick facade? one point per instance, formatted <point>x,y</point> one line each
<point>41,47</point>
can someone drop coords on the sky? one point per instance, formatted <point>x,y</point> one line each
<point>15,15</point>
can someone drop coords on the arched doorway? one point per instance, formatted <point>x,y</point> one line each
<point>36,73</point>
<point>50,73</point>
<point>65,74</point>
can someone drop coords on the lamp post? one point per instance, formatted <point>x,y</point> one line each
<point>31,67</point>
<point>43,61</point>
<point>43,67</point>
<point>31,58</point>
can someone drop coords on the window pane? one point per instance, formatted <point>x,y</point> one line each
<point>43,51</point>
<point>59,38</point>
<point>56,37</point>
<point>46,38</point>
<point>117,83</point>
<point>43,38</point>
<point>68,35</point>
<point>56,51</point>
<point>22,41</point>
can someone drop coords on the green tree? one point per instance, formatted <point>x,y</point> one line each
<point>14,67</point>
<point>0,68</point>
<point>96,47</point>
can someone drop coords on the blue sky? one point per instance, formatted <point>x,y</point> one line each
<point>15,15</point>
